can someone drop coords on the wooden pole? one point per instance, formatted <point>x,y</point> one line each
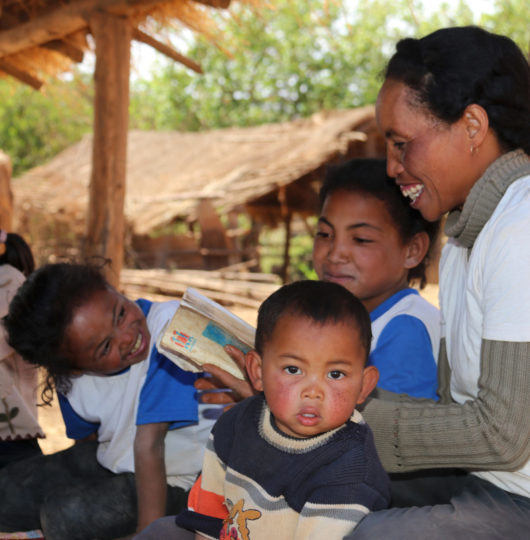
<point>6,195</point>
<point>286,247</point>
<point>287,219</point>
<point>105,221</point>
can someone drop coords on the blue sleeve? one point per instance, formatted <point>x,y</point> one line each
<point>405,359</point>
<point>168,394</point>
<point>76,427</point>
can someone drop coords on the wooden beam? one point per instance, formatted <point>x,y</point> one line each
<point>62,21</point>
<point>214,3</point>
<point>105,221</point>
<point>138,35</point>
<point>66,49</point>
<point>22,76</point>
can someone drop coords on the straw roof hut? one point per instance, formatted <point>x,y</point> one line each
<point>270,172</point>
<point>46,36</point>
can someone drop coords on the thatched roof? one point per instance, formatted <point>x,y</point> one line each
<point>169,172</point>
<point>45,36</point>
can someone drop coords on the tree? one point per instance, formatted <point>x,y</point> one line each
<point>294,58</point>
<point>511,19</point>
<point>34,126</point>
<point>286,59</point>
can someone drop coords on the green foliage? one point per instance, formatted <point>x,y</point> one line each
<point>282,61</point>
<point>286,62</point>
<point>35,126</point>
<point>510,17</point>
<point>294,58</point>
<point>300,251</point>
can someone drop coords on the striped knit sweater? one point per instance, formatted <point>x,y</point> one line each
<point>275,485</point>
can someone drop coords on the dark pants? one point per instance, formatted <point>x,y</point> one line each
<point>460,507</point>
<point>165,529</point>
<point>11,451</point>
<point>476,510</point>
<point>71,497</point>
<point>426,487</point>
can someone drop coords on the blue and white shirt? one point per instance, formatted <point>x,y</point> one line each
<point>154,390</point>
<point>406,338</point>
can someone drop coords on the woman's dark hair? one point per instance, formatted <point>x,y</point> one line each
<point>18,254</point>
<point>455,67</point>
<point>321,302</point>
<point>40,313</point>
<point>368,176</point>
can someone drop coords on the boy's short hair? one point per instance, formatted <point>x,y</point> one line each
<point>320,301</point>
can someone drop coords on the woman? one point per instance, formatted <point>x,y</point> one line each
<point>455,110</point>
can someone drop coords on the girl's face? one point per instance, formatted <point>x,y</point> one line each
<point>431,161</point>
<point>358,245</point>
<point>108,333</point>
<point>312,375</point>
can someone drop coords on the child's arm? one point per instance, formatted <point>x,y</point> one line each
<point>150,471</point>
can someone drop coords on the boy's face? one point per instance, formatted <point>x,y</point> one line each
<point>312,375</point>
<point>108,333</point>
<point>357,245</point>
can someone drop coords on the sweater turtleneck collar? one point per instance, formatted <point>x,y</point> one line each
<point>465,225</point>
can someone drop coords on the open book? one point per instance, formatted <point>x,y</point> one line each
<point>198,332</point>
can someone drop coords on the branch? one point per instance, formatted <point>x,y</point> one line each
<point>138,35</point>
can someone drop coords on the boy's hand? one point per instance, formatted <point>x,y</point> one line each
<point>222,379</point>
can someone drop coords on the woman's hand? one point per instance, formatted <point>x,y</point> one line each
<point>221,379</point>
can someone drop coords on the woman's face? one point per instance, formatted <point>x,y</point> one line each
<point>430,159</point>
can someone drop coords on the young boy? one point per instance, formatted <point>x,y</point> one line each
<point>298,461</point>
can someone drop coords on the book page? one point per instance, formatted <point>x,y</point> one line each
<point>198,332</point>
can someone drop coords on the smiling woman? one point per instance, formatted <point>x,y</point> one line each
<point>418,146</point>
<point>455,111</point>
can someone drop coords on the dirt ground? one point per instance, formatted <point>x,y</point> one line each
<point>51,420</point>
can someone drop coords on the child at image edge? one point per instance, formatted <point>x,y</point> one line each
<point>99,348</point>
<point>297,461</point>
<point>372,242</point>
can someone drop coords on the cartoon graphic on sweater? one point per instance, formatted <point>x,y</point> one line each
<point>235,525</point>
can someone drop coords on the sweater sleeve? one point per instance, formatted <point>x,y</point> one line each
<point>490,432</point>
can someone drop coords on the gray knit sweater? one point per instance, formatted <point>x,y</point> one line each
<point>491,432</point>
